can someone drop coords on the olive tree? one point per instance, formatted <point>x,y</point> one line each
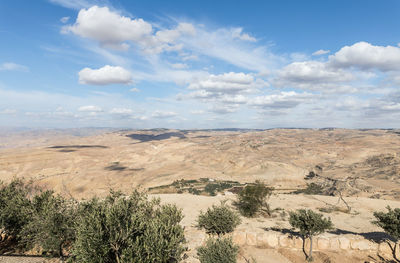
<point>254,199</point>
<point>128,229</point>
<point>390,223</point>
<point>221,250</point>
<point>15,207</point>
<point>219,219</point>
<point>310,224</point>
<point>51,225</point>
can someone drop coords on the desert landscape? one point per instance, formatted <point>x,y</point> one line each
<point>180,166</point>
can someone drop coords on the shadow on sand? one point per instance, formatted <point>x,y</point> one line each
<point>159,137</point>
<point>74,148</point>
<point>116,166</point>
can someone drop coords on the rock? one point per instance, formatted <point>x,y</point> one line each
<point>262,240</point>
<point>334,243</point>
<point>239,238</point>
<point>272,240</point>
<point>361,244</point>
<point>344,243</point>
<point>251,239</point>
<point>298,242</point>
<point>323,243</point>
<point>285,241</point>
<point>384,248</point>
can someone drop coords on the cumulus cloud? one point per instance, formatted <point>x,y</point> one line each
<point>90,108</point>
<point>313,71</point>
<point>11,66</point>
<point>163,114</point>
<point>8,111</point>
<point>283,100</point>
<point>121,111</point>
<point>115,31</point>
<point>64,19</point>
<point>134,90</point>
<point>366,56</point>
<point>320,52</point>
<point>107,27</point>
<point>105,76</point>
<point>231,82</point>
<point>237,33</point>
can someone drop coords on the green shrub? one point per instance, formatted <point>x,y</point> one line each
<point>311,189</point>
<point>221,250</point>
<point>15,207</point>
<point>254,199</point>
<point>51,225</point>
<point>213,188</point>
<point>219,220</point>
<point>390,223</point>
<point>310,224</point>
<point>128,229</point>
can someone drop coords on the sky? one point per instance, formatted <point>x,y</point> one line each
<point>200,64</point>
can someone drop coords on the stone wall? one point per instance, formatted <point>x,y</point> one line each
<point>274,239</point>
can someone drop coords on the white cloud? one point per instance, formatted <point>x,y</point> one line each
<point>366,56</point>
<point>105,76</point>
<point>224,109</point>
<point>197,112</point>
<point>11,66</point>
<point>179,66</point>
<point>225,83</point>
<point>121,111</point>
<point>74,4</point>
<point>163,114</point>
<point>283,100</point>
<point>90,108</point>
<point>134,90</point>
<point>312,71</point>
<point>237,33</point>
<point>320,52</point>
<point>113,31</point>
<point>64,19</point>
<point>8,111</point>
<point>109,28</point>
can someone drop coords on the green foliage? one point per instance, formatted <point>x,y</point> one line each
<point>219,220</point>
<point>221,250</point>
<point>253,199</point>
<point>51,225</point>
<point>309,223</point>
<point>214,188</point>
<point>311,189</point>
<point>128,229</point>
<point>389,222</point>
<point>15,207</point>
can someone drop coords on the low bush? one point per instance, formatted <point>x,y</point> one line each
<point>254,199</point>
<point>390,223</point>
<point>221,250</point>
<point>310,224</point>
<point>311,189</point>
<point>219,220</point>
<point>15,207</point>
<point>51,225</point>
<point>128,229</point>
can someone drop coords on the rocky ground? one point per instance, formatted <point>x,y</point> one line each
<point>365,164</point>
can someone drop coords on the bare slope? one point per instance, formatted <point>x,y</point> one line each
<point>86,166</point>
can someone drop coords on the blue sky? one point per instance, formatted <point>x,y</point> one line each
<point>200,64</point>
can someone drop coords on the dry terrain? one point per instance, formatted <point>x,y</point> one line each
<point>366,163</point>
<point>84,166</point>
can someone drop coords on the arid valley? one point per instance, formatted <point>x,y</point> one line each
<point>177,165</point>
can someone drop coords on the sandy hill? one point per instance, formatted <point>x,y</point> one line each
<point>83,166</point>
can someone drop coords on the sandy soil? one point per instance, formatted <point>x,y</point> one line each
<point>87,166</point>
